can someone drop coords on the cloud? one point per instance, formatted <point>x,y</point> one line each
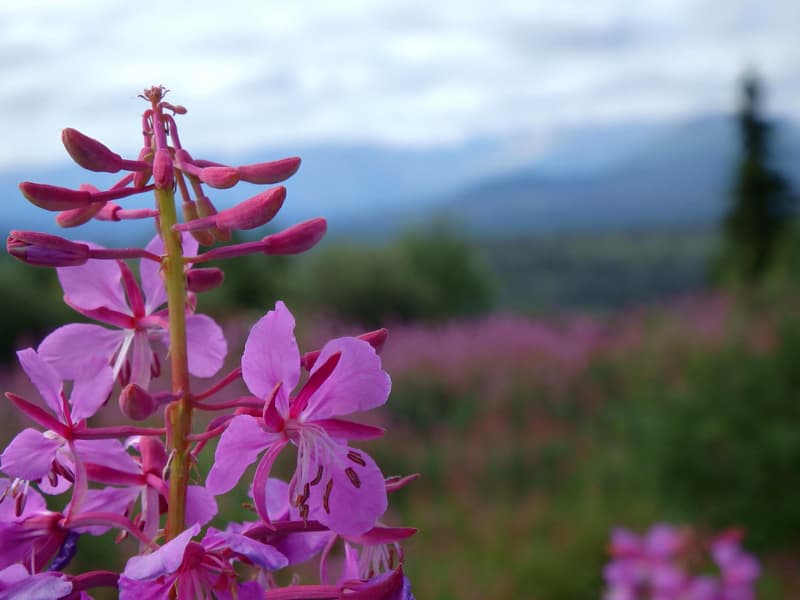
<point>396,72</point>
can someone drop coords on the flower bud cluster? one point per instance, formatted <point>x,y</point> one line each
<point>140,481</point>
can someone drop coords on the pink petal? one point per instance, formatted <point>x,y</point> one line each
<point>206,344</point>
<point>107,453</point>
<point>29,455</point>
<point>44,377</point>
<point>95,284</point>
<point>200,505</point>
<point>89,393</point>
<point>34,502</point>
<point>131,589</point>
<point>16,582</point>
<point>141,359</point>
<point>354,502</point>
<point>271,356</point>
<point>259,553</point>
<point>238,448</point>
<point>342,429</point>
<point>163,561</point>
<point>277,498</point>
<point>155,293</point>
<point>70,347</point>
<point>111,500</point>
<point>357,383</point>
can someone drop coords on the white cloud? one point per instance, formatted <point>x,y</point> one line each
<point>409,72</point>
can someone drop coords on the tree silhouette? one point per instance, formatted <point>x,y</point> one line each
<point>760,209</point>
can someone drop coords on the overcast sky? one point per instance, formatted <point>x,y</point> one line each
<point>395,72</point>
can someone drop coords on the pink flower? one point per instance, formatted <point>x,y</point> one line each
<point>197,568</point>
<point>335,484</point>
<point>106,291</point>
<point>144,482</point>
<point>52,455</point>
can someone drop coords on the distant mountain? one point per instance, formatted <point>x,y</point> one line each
<point>624,175</point>
<point>670,177</point>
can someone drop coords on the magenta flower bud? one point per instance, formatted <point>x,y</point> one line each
<point>141,178</point>
<point>219,177</point>
<point>297,238</point>
<point>79,216</point>
<point>269,172</point>
<point>203,236</point>
<point>42,249</point>
<point>203,280</point>
<point>206,209</point>
<point>89,153</point>
<point>163,174</point>
<point>137,403</point>
<point>51,197</point>
<point>252,213</point>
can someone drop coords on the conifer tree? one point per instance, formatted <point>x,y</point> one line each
<point>760,210</point>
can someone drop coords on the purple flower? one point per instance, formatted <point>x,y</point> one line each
<point>52,455</point>
<point>144,482</point>
<point>341,487</point>
<point>198,568</point>
<point>106,291</point>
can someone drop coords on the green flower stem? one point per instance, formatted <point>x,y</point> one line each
<point>179,412</point>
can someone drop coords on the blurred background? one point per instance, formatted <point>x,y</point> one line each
<point>578,221</point>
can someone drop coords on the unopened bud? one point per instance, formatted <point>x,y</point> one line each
<point>269,172</point>
<point>163,174</point>
<point>89,153</point>
<point>44,250</point>
<point>219,177</point>
<point>252,213</point>
<point>297,238</point>
<point>203,280</point>
<point>206,209</point>
<point>137,403</point>
<point>202,236</point>
<point>51,197</point>
<point>79,216</point>
<point>141,178</point>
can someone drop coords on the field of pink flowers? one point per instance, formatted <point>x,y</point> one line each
<point>512,422</point>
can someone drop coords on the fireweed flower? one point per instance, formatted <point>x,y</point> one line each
<point>201,570</point>
<point>144,483</point>
<point>340,487</point>
<point>52,456</point>
<point>106,291</point>
<point>336,492</point>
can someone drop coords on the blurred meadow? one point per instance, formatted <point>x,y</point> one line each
<point>593,320</point>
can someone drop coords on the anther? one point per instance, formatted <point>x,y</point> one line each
<point>327,496</point>
<point>356,458</point>
<point>351,475</point>
<point>19,504</point>
<point>318,478</point>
